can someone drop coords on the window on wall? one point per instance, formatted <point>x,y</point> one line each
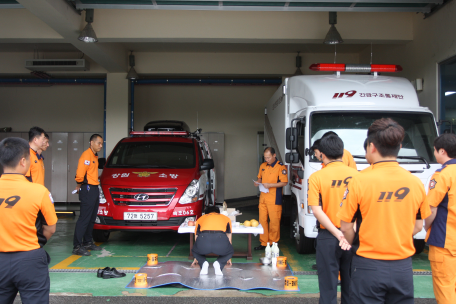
<point>447,108</point>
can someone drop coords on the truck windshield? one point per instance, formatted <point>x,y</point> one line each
<point>153,155</point>
<point>420,132</point>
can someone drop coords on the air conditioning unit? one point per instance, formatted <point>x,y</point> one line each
<point>57,65</point>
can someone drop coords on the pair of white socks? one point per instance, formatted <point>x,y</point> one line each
<point>205,268</point>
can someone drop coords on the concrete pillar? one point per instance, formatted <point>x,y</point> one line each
<point>116,109</point>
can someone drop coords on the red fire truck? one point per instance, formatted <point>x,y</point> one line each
<point>155,179</point>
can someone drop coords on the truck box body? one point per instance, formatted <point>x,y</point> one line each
<point>347,105</point>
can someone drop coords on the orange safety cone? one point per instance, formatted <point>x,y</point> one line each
<point>291,283</point>
<point>141,280</point>
<point>152,259</point>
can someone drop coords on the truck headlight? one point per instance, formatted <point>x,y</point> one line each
<point>191,193</point>
<point>102,197</point>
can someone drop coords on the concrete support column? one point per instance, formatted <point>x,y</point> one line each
<point>116,109</point>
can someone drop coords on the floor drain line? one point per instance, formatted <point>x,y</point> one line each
<point>87,270</point>
<point>316,273</point>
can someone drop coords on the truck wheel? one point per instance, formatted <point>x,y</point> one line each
<point>303,244</point>
<point>419,245</point>
<point>100,235</point>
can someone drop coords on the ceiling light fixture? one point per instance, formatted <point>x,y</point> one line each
<point>132,75</point>
<point>88,34</point>
<point>298,65</point>
<point>448,93</point>
<point>333,36</point>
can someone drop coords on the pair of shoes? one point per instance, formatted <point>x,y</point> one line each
<point>204,268</point>
<point>261,247</point>
<point>109,273</point>
<point>91,246</point>
<point>218,270</point>
<point>80,250</point>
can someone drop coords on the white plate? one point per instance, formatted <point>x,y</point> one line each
<point>140,216</point>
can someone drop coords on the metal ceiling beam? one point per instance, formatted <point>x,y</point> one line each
<point>79,3</point>
<point>63,19</point>
<point>258,8</point>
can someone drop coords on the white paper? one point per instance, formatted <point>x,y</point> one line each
<point>74,191</point>
<point>262,188</point>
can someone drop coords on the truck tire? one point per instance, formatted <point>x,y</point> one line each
<point>100,235</point>
<point>419,245</point>
<point>304,245</point>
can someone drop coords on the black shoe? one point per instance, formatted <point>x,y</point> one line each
<point>314,266</point>
<point>113,273</point>
<point>100,271</point>
<point>80,250</point>
<point>91,246</point>
<point>261,247</point>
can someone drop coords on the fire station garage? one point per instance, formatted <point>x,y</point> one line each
<point>185,96</point>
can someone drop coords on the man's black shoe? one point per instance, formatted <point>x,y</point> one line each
<point>91,246</point>
<point>113,273</point>
<point>80,250</point>
<point>261,247</point>
<point>100,271</point>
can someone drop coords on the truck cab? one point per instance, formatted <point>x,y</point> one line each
<point>306,107</point>
<point>155,179</point>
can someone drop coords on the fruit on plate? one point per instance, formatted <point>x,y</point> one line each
<point>191,223</point>
<point>254,223</point>
<point>247,224</point>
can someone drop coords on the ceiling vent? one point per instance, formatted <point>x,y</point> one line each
<point>57,65</point>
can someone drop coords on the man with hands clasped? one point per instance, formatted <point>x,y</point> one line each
<point>325,192</point>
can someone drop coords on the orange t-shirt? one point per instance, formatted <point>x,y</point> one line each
<point>387,201</point>
<point>36,170</point>
<point>327,187</point>
<point>213,222</point>
<point>347,159</point>
<point>21,205</point>
<point>87,172</point>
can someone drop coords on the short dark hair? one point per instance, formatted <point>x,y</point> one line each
<point>447,142</point>
<point>331,146</point>
<point>35,132</point>
<point>46,135</point>
<point>12,150</point>
<point>316,144</point>
<point>95,136</point>
<point>270,150</point>
<point>212,209</point>
<point>329,133</point>
<point>387,136</point>
<point>365,145</point>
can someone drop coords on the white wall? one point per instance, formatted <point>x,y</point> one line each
<point>64,108</point>
<point>433,41</point>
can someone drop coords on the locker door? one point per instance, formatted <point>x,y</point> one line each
<point>216,142</point>
<point>75,149</point>
<point>48,165</point>
<point>59,166</point>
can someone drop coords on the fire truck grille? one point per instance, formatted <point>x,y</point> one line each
<point>142,197</point>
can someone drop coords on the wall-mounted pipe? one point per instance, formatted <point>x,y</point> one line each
<point>227,81</point>
<point>132,104</point>
<point>52,81</point>
<point>104,119</point>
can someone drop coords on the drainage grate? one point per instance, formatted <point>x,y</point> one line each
<point>88,270</point>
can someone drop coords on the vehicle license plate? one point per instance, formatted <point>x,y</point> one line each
<point>140,216</point>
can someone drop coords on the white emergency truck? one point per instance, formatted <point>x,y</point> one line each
<point>306,107</point>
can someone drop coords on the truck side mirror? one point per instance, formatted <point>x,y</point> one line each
<point>301,174</point>
<point>207,164</point>
<point>101,163</point>
<point>291,138</point>
<point>291,158</point>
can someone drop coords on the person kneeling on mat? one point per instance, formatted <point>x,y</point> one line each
<point>213,235</point>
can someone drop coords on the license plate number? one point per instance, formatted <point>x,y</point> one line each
<point>140,216</point>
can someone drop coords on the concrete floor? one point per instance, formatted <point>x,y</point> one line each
<point>75,276</point>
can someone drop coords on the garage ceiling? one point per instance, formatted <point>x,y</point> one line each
<point>422,6</point>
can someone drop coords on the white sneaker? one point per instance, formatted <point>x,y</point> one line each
<point>217,269</point>
<point>204,268</point>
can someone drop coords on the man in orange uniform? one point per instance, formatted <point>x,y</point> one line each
<point>325,192</point>
<point>347,158</point>
<point>89,195</point>
<point>273,175</point>
<point>23,261</point>
<point>388,203</point>
<point>36,140</point>
<point>441,225</point>
<point>213,235</point>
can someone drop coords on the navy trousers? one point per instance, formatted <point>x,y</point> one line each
<point>216,243</point>
<point>90,199</point>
